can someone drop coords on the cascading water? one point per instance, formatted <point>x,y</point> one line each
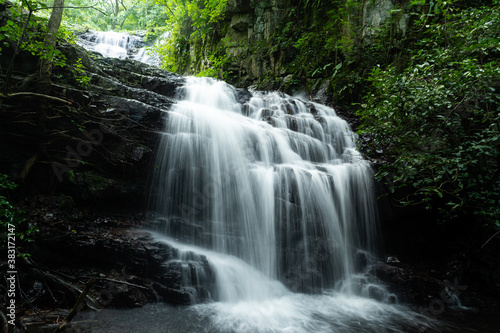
<point>270,191</point>
<point>117,45</point>
<point>276,182</point>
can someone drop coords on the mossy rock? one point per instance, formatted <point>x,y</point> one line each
<point>91,185</point>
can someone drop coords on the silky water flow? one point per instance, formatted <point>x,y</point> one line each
<point>271,211</point>
<point>119,45</point>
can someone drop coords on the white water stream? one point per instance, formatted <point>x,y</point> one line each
<point>271,192</point>
<point>117,45</point>
<point>269,181</point>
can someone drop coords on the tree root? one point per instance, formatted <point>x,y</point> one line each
<point>36,273</point>
<point>27,93</point>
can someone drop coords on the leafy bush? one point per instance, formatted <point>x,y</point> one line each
<point>438,119</point>
<point>194,26</point>
<point>81,77</point>
<point>27,32</point>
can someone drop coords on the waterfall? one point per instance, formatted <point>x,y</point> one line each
<point>269,211</point>
<point>274,184</point>
<point>117,45</point>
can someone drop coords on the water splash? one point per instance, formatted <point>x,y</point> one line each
<point>250,302</point>
<point>294,313</point>
<point>234,279</point>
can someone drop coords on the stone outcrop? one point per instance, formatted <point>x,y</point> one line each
<point>92,141</point>
<point>252,25</point>
<point>75,245</point>
<point>81,156</point>
<point>375,13</point>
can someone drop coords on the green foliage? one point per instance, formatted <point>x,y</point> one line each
<point>196,27</point>
<point>12,218</point>
<point>121,15</point>
<point>437,118</point>
<point>317,40</point>
<point>27,32</point>
<point>80,75</point>
<point>216,65</point>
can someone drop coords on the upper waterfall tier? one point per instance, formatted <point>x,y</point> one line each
<point>117,45</point>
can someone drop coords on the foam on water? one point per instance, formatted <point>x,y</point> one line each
<point>250,302</point>
<point>299,313</point>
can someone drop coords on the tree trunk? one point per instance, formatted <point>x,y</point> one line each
<point>54,22</point>
<point>115,14</point>
<point>129,11</point>
<point>50,44</point>
<point>41,80</point>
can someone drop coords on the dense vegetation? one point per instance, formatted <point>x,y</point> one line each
<point>438,116</point>
<point>117,15</point>
<point>425,94</point>
<point>194,25</point>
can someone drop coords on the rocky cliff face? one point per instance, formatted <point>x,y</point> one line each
<point>82,155</point>
<point>94,141</point>
<point>250,31</point>
<point>255,28</point>
<point>375,13</point>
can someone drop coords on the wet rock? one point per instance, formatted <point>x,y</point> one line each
<point>165,85</point>
<point>182,229</point>
<point>130,266</point>
<point>322,96</point>
<point>410,286</point>
<point>93,147</point>
<point>128,263</point>
<point>392,260</point>
<point>243,95</point>
<point>136,110</point>
<point>172,296</point>
<point>361,259</point>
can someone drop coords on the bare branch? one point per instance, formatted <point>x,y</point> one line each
<point>74,7</point>
<point>26,93</point>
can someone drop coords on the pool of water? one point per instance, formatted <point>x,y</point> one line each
<point>296,313</point>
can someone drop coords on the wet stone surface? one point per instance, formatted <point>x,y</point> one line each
<point>77,245</point>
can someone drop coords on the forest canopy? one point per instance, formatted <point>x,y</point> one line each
<point>105,15</point>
